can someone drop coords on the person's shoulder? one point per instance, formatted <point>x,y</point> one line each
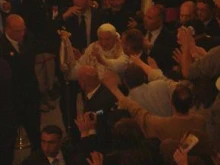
<point>5,45</point>
<point>214,51</point>
<point>3,39</point>
<point>35,158</point>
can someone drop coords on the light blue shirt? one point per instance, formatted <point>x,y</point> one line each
<point>154,97</point>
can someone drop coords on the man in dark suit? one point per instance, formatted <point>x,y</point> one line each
<point>97,98</point>
<point>159,42</point>
<point>7,115</point>
<point>40,18</point>
<point>51,152</point>
<point>205,12</point>
<point>18,49</point>
<point>82,21</point>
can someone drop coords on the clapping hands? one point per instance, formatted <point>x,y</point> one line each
<point>86,122</point>
<point>74,10</point>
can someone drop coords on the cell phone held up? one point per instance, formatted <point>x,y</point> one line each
<point>97,113</point>
<point>188,142</point>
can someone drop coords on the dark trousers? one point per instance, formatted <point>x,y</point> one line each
<point>68,100</point>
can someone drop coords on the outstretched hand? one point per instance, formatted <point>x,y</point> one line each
<point>85,123</point>
<point>96,158</point>
<point>180,157</point>
<point>136,60</point>
<point>111,80</point>
<point>152,63</point>
<point>132,23</point>
<point>74,10</point>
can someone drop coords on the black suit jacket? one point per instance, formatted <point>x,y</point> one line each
<point>7,115</point>
<point>38,19</point>
<point>104,100</point>
<point>38,158</point>
<point>118,19</point>
<point>212,28</point>
<point>73,154</point>
<point>72,25</point>
<point>24,82</point>
<point>162,50</point>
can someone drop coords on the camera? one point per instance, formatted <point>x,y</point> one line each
<point>97,113</point>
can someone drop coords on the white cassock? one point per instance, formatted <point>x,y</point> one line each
<point>114,59</point>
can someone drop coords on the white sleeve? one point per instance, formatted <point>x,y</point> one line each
<point>119,64</point>
<point>157,74</point>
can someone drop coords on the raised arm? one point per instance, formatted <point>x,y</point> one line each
<point>141,115</point>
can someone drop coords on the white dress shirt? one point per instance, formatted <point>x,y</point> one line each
<point>13,42</point>
<point>59,157</point>
<point>155,34</point>
<point>90,94</point>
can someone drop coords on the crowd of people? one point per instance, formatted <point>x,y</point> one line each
<point>144,79</point>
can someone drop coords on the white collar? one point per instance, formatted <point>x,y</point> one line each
<point>157,31</point>
<point>155,34</point>
<point>90,94</point>
<point>87,13</point>
<point>11,40</point>
<point>207,22</point>
<point>59,156</point>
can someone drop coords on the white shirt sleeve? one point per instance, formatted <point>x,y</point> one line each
<point>119,64</point>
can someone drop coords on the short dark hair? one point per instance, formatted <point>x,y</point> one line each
<point>134,38</point>
<point>52,129</point>
<point>210,3</point>
<point>127,134</point>
<point>134,76</point>
<point>182,99</point>
<point>204,92</point>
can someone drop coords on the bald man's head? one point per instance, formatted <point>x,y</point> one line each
<point>187,11</point>
<point>88,78</point>
<point>15,27</point>
<point>154,17</point>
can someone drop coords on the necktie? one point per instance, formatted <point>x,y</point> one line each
<point>55,162</point>
<point>82,28</point>
<point>149,36</point>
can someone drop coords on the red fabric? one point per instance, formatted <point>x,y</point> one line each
<point>172,14</point>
